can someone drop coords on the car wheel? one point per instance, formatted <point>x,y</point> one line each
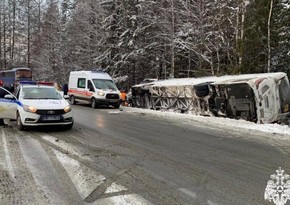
<point>72,100</point>
<point>20,126</point>
<point>93,103</point>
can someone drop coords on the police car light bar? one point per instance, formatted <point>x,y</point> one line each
<point>26,82</point>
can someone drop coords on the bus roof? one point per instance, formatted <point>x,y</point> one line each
<point>15,69</point>
<point>246,78</point>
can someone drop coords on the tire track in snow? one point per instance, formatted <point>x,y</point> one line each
<point>7,157</point>
<point>43,171</point>
<point>91,184</point>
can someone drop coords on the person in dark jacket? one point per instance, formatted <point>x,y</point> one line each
<point>65,89</point>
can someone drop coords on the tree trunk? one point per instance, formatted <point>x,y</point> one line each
<point>1,13</point>
<point>28,33</point>
<point>242,34</point>
<point>172,42</point>
<point>269,37</point>
<point>218,60</point>
<point>13,32</point>
<point>4,39</point>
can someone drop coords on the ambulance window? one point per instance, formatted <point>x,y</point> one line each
<point>81,83</point>
<point>90,86</point>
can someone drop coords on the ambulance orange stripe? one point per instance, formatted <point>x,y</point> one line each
<point>86,93</point>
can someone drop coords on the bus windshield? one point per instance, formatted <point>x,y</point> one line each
<point>21,74</point>
<point>284,90</point>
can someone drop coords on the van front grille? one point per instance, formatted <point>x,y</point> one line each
<point>112,96</point>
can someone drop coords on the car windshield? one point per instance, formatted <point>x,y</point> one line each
<point>40,93</point>
<point>104,84</point>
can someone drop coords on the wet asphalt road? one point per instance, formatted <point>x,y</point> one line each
<point>125,157</point>
<point>192,163</point>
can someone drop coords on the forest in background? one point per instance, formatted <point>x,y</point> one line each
<point>137,39</point>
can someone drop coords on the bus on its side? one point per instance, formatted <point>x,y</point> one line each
<point>11,77</point>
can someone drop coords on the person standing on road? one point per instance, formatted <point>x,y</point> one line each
<point>123,96</point>
<point>65,89</point>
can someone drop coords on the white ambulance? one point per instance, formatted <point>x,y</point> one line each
<point>94,87</point>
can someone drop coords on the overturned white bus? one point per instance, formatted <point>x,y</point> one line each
<point>261,98</point>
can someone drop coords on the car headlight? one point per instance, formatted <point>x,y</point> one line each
<point>67,109</point>
<point>29,109</point>
<point>101,93</point>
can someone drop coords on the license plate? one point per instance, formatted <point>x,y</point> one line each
<point>48,118</point>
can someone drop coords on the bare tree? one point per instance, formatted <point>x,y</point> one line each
<point>28,32</point>
<point>13,31</point>
<point>1,33</point>
<point>269,36</point>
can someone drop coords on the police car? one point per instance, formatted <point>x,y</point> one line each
<point>35,105</point>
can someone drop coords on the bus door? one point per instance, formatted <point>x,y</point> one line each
<point>268,107</point>
<point>8,106</point>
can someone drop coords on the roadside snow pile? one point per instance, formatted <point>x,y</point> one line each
<point>216,121</point>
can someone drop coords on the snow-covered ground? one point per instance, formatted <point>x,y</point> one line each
<point>216,121</point>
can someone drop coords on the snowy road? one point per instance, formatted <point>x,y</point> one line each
<point>141,157</point>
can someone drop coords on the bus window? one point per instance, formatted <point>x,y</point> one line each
<point>284,90</point>
<point>23,74</point>
<point>8,74</point>
<point>11,77</point>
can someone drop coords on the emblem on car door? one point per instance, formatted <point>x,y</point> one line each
<point>50,112</point>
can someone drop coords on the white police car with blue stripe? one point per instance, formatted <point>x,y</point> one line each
<point>35,105</point>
